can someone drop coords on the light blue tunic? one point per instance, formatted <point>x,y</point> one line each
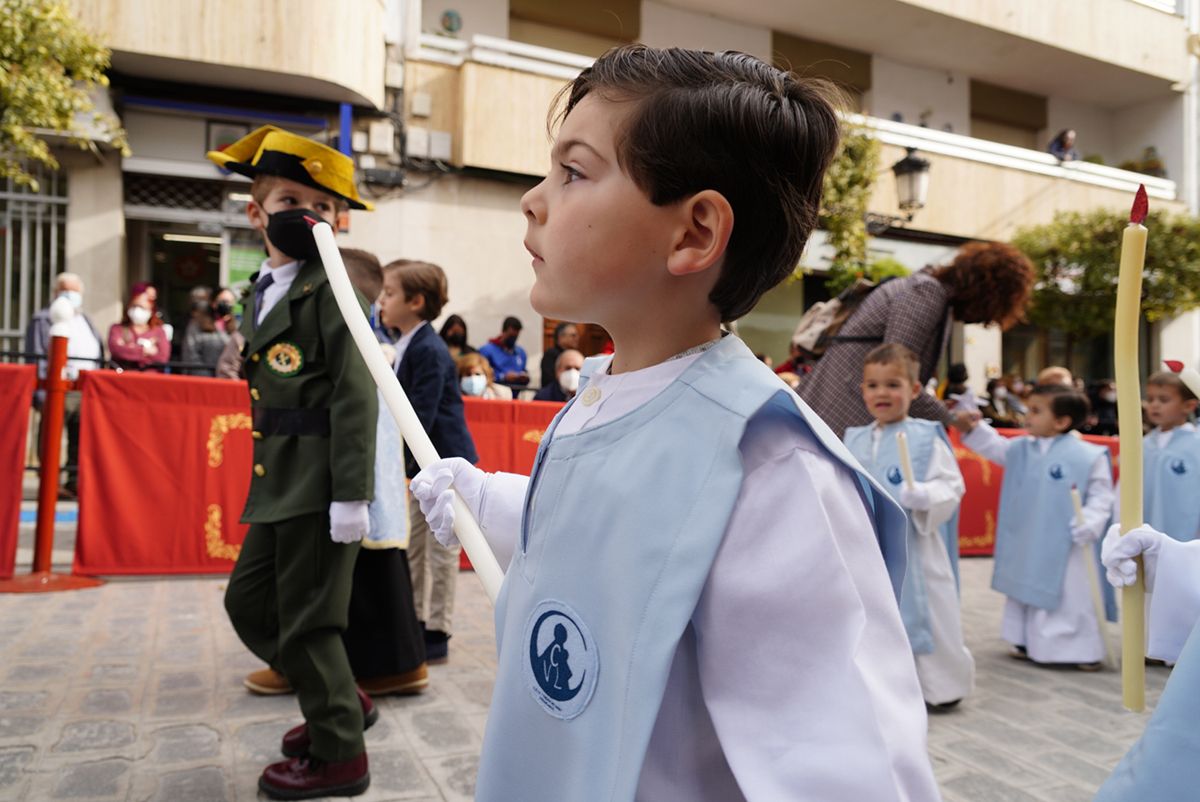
<point>1171,481</point>
<point>1033,532</point>
<point>885,468</point>
<point>388,510</point>
<point>622,522</point>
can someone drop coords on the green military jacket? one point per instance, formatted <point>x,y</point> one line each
<point>313,404</point>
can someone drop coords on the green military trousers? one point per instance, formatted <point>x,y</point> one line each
<point>288,598</point>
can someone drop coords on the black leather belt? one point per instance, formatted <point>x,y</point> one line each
<point>274,421</point>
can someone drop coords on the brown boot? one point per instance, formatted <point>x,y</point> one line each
<point>267,682</point>
<point>307,777</point>
<point>407,684</point>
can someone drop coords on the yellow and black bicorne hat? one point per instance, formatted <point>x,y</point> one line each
<point>273,151</point>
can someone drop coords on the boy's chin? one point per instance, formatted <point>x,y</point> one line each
<point>546,305</point>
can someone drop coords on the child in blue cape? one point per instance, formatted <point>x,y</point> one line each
<point>663,631</point>
<point>1040,547</point>
<point>929,600</point>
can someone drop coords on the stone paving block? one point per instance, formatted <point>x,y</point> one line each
<point>972,752</point>
<point>186,742</point>
<point>107,701</point>
<point>258,744</point>
<point>977,787</point>
<point>455,776</point>
<point>1068,766</point>
<point>27,673</point>
<point>112,673</point>
<point>22,700</point>
<point>181,681</point>
<point>12,726</point>
<point>398,774</point>
<point>1084,741</point>
<point>441,732</point>
<point>176,704</point>
<point>12,764</point>
<point>83,735</point>
<point>1067,793</point>
<point>240,703</point>
<point>104,778</point>
<point>205,784</point>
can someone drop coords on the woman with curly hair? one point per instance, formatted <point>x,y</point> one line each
<point>986,282</point>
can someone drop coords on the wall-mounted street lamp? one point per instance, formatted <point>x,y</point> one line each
<point>912,188</point>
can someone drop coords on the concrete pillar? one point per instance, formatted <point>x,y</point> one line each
<point>981,355</point>
<point>96,234</point>
<point>1179,338</point>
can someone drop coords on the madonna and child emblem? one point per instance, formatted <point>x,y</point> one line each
<point>563,659</point>
<point>285,359</point>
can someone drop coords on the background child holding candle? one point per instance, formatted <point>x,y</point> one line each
<point>663,632</point>
<point>929,602</point>
<point>1049,616</point>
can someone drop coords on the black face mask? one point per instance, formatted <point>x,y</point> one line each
<point>510,342</point>
<point>291,232</point>
<point>223,308</point>
<point>456,338</point>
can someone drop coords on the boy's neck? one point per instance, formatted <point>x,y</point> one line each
<point>408,326</point>
<point>649,342</point>
<point>277,259</point>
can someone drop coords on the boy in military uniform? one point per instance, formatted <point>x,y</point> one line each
<point>314,414</point>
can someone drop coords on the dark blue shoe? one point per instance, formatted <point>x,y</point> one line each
<point>437,646</point>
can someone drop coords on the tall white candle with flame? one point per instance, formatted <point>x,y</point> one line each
<point>1129,411</point>
<point>465,526</point>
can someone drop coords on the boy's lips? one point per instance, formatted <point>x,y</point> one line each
<point>537,256</point>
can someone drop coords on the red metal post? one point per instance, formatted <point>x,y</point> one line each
<point>52,424</point>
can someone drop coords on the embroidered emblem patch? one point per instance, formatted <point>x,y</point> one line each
<point>1179,466</point>
<point>1056,471</point>
<point>285,359</point>
<point>894,476</point>
<point>563,659</point>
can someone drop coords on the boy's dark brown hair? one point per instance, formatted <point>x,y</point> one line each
<point>728,122</point>
<point>1166,378</point>
<point>1065,402</point>
<point>262,185</point>
<point>895,354</point>
<point>364,271</point>
<point>421,278</point>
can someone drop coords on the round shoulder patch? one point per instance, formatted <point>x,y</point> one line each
<point>563,659</point>
<point>285,359</point>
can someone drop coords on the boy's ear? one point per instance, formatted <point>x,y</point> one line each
<point>917,389</point>
<point>256,215</point>
<point>1063,423</point>
<point>706,225</point>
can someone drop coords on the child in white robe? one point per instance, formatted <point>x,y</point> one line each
<point>1040,547</point>
<point>929,601</point>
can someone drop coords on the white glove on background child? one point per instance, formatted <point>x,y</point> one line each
<point>497,500</point>
<point>915,497</point>
<point>1117,553</point>
<point>348,521</point>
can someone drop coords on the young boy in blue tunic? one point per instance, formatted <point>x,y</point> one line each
<point>663,630</point>
<point>1040,547</point>
<point>929,600</point>
<point>1171,456</point>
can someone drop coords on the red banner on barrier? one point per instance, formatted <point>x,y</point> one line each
<point>977,515</point>
<point>16,394</point>
<point>164,468</point>
<point>490,423</point>
<point>530,421</point>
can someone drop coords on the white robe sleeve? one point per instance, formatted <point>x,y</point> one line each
<point>1098,508</point>
<point>1175,602</point>
<point>944,483</point>
<point>500,512</point>
<point>803,663</point>
<point>987,443</point>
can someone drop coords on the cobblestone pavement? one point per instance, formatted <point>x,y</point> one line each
<point>132,691</point>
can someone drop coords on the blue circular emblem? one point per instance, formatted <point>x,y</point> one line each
<point>1056,471</point>
<point>894,476</point>
<point>1179,466</point>
<point>563,659</point>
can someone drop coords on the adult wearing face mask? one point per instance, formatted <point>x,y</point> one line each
<point>999,409</point>
<point>566,338</point>
<point>139,341</point>
<point>566,378</point>
<point>454,334</point>
<point>205,340</point>
<point>475,379</point>
<point>506,357</point>
<point>85,351</point>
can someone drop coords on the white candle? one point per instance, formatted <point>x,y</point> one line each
<point>1089,559</point>
<point>414,434</point>
<point>905,460</point>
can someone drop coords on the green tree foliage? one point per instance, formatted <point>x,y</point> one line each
<point>48,62</point>
<point>1077,257</point>
<point>844,202</point>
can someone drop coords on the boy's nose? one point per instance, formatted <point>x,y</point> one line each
<point>533,205</point>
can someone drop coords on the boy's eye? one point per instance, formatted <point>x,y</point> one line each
<point>572,174</point>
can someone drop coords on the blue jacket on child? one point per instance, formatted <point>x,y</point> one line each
<point>622,523</point>
<point>885,467</point>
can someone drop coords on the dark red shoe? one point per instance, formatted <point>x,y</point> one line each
<point>296,742</point>
<point>307,777</point>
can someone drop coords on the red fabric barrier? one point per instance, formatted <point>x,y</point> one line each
<point>164,468</point>
<point>530,421</point>
<point>490,423</point>
<point>977,516</point>
<point>17,383</point>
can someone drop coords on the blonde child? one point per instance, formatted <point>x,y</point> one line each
<point>929,602</point>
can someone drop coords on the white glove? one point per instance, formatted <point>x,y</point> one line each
<point>1082,534</point>
<point>1118,551</point>
<point>348,521</point>
<point>915,497</point>
<point>431,489</point>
